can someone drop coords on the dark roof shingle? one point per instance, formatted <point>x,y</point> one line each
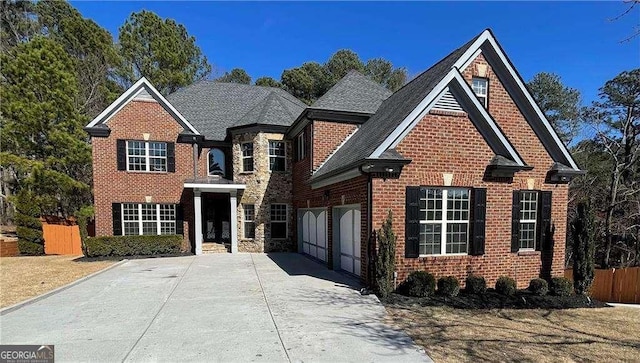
<point>213,107</point>
<point>390,114</point>
<point>355,92</point>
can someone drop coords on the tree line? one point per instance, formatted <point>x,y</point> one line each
<point>59,70</point>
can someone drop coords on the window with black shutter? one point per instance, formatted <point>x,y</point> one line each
<point>530,220</point>
<point>479,198</point>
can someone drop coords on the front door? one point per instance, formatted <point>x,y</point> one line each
<point>216,221</point>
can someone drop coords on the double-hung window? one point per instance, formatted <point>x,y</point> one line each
<point>146,156</point>
<point>277,156</point>
<point>528,219</point>
<point>278,221</point>
<point>444,221</point>
<point>480,87</point>
<point>148,219</point>
<point>249,220</point>
<point>247,156</point>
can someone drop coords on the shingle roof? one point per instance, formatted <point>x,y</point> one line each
<point>390,114</point>
<point>355,92</point>
<point>212,107</point>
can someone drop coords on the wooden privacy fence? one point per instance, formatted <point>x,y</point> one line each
<point>614,285</point>
<point>60,239</point>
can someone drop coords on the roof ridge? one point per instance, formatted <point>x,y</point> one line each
<point>259,104</point>
<point>280,100</point>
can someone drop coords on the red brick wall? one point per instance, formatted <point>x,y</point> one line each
<point>449,144</point>
<point>113,186</point>
<point>327,136</point>
<point>350,192</point>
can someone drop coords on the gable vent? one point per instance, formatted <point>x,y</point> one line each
<point>447,102</point>
<point>144,95</point>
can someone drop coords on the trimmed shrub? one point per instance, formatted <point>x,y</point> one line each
<point>506,286</point>
<point>475,284</point>
<point>419,283</point>
<point>448,286</point>
<point>561,286</point>
<point>28,248</point>
<point>133,245</point>
<point>539,287</point>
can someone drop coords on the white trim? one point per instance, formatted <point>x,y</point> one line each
<point>427,104</point>
<point>475,50</point>
<point>444,221</point>
<point>346,175</point>
<point>215,187</point>
<point>253,165</point>
<point>269,141</point>
<point>129,95</point>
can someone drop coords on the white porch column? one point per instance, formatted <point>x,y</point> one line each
<point>197,210</point>
<point>234,221</point>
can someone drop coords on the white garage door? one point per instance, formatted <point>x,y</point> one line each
<point>350,240</point>
<point>314,232</point>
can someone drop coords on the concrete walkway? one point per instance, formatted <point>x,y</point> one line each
<point>244,307</point>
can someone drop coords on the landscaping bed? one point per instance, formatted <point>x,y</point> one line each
<point>523,299</point>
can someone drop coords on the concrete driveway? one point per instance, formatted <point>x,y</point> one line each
<point>244,307</point>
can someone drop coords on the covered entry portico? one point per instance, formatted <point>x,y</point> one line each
<point>220,186</point>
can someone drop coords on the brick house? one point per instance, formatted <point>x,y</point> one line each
<point>472,171</point>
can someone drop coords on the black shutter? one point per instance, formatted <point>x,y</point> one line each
<point>179,220</point>
<point>116,213</point>
<point>412,223</point>
<point>171,157</point>
<point>544,219</point>
<point>122,154</point>
<point>479,196</point>
<point>515,222</point>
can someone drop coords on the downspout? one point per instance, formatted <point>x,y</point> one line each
<point>195,161</point>
<point>372,244</point>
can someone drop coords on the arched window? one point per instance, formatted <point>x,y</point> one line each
<point>216,163</point>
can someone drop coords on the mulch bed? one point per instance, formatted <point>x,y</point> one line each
<point>523,299</point>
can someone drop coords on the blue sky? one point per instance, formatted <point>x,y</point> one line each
<point>573,39</point>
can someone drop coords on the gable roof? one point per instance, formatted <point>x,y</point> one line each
<point>144,88</point>
<point>390,114</point>
<point>355,92</point>
<point>213,107</point>
<point>402,110</point>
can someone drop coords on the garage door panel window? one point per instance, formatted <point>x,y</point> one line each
<point>444,221</point>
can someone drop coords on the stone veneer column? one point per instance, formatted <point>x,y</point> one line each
<point>197,211</point>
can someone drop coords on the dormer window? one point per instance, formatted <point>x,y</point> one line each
<point>480,87</point>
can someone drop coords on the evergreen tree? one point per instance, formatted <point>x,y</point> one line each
<point>385,259</point>
<point>237,75</point>
<point>583,235</point>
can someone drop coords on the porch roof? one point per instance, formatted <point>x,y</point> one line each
<point>213,184</point>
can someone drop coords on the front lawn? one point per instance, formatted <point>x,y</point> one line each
<point>539,335</point>
<point>22,278</point>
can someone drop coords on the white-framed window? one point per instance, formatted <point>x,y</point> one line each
<point>279,220</point>
<point>148,219</point>
<point>444,221</point>
<point>480,87</point>
<point>216,163</point>
<point>249,214</point>
<point>300,144</point>
<point>528,219</point>
<point>247,156</point>
<point>277,155</point>
<point>150,156</point>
